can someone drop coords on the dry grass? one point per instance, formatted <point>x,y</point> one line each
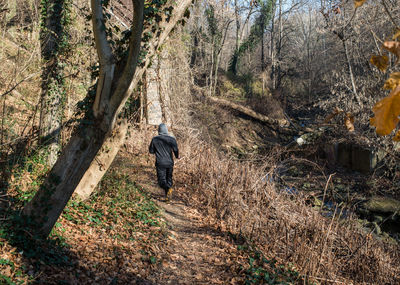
<point>237,195</point>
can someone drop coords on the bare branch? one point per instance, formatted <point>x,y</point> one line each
<point>117,18</point>
<point>129,81</point>
<point>121,93</point>
<point>18,83</point>
<point>389,14</point>
<point>99,29</point>
<point>106,58</point>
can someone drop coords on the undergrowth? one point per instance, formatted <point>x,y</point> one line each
<point>119,209</point>
<point>324,249</point>
<point>263,270</point>
<point>119,206</point>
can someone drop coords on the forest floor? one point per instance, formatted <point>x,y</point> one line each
<point>199,253</point>
<point>124,234</point>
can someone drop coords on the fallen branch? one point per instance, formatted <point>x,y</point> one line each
<point>249,112</point>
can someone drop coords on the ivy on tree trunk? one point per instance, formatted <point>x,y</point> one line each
<point>116,83</point>
<point>54,23</point>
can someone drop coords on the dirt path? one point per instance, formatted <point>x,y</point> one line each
<point>195,252</point>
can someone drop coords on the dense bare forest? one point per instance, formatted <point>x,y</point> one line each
<point>285,113</point>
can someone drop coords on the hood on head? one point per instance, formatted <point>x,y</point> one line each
<point>162,129</point>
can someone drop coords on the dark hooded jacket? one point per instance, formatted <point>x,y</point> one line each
<point>163,146</point>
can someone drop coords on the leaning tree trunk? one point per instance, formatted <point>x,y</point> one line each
<point>48,203</point>
<point>102,162</point>
<point>77,157</point>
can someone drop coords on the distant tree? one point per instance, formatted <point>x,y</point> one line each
<point>118,77</point>
<point>217,30</point>
<point>339,21</point>
<point>265,14</point>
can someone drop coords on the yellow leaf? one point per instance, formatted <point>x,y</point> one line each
<point>393,47</point>
<point>396,137</point>
<point>349,122</point>
<point>393,81</point>
<point>387,113</point>
<point>359,3</point>
<point>396,34</point>
<point>380,61</point>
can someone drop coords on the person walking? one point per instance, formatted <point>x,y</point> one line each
<point>163,146</point>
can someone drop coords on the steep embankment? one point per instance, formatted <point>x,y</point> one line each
<point>242,118</point>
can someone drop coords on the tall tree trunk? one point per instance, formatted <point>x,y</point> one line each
<point>194,49</point>
<point>52,38</point>
<point>88,140</point>
<point>272,50</point>
<point>279,48</point>
<point>153,94</point>
<point>211,76</point>
<point>308,45</point>
<point>353,81</point>
<point>262,59</point>
<point>237,19</point>
<point>218,56</point>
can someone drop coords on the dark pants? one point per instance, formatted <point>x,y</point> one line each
<point>164,177</point>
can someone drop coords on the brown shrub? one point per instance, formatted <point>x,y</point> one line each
<point>239,196</point>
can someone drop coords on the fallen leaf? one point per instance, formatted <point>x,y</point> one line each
<point>396,137</point>
<point>332,115</point>
<point>164,263</point>
<point>349,122</point>
<point>380,61</point>
<point>396,34</point>
<point>359,3</point>
<point>387,113</point>
<point>393,47</point>
<point>393,81</point>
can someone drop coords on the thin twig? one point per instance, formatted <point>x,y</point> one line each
<point>328,280</point>
<point>326,239</point>
<point>326,187</point>
<point>351,19</point>
<point>375,39</point>
<point>389,14</point>
<point>16,85</point>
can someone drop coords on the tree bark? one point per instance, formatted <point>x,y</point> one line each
<point>102,161</point>
<point>85,145</point>
<point>53,93</point>
<point>237,19</point>
<point>48,203</point>
<point>272,51</point>
<point>279,48</point>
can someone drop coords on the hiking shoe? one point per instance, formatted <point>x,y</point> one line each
<point>169,194</point>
